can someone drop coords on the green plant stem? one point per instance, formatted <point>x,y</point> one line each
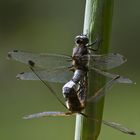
<point>97,24</point>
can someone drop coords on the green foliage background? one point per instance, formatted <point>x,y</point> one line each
<point>50,26</point>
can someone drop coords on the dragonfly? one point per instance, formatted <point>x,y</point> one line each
<point>72,70</point>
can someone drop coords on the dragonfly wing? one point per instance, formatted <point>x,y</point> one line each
<point>106,61</point>
<point>45,114</point>
<point>119,127</point>
<point>101,92</point>
<point>55,76</point>
<point>121,79</point>
<point>47,61</point>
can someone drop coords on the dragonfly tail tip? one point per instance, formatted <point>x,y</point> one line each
<point>9,56</point>
<point>132,133</point>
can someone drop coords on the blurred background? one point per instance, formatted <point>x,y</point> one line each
<point>50,26</point>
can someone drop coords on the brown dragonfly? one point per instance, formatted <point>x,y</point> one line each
<point>72,70</point>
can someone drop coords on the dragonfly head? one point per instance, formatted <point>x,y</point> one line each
<point>81,39</point>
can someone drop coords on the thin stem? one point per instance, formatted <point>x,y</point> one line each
<point>97,24</point>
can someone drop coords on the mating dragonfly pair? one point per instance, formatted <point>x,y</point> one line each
<point>73,71</point>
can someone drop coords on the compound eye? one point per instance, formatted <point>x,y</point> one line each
<point>78,41</point>
<point>86,40</point>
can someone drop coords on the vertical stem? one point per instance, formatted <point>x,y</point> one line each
<point>97,24</point>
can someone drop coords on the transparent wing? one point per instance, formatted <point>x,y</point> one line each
<point>121,79</point>
<point>101,92</point>
<point>55,76</point>
<point>45,114</point>
<point>46,61</point>
<point>106,61</point>
<point>119,127</point>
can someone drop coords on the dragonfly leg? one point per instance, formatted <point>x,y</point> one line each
<point>71,68</point>
<point>97,41</point>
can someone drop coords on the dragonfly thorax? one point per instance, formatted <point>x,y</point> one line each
<point>80,58</point>
<point>80,50</point>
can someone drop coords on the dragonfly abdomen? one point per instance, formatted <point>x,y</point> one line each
<point>70,92</point>
<point>78,75</point>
